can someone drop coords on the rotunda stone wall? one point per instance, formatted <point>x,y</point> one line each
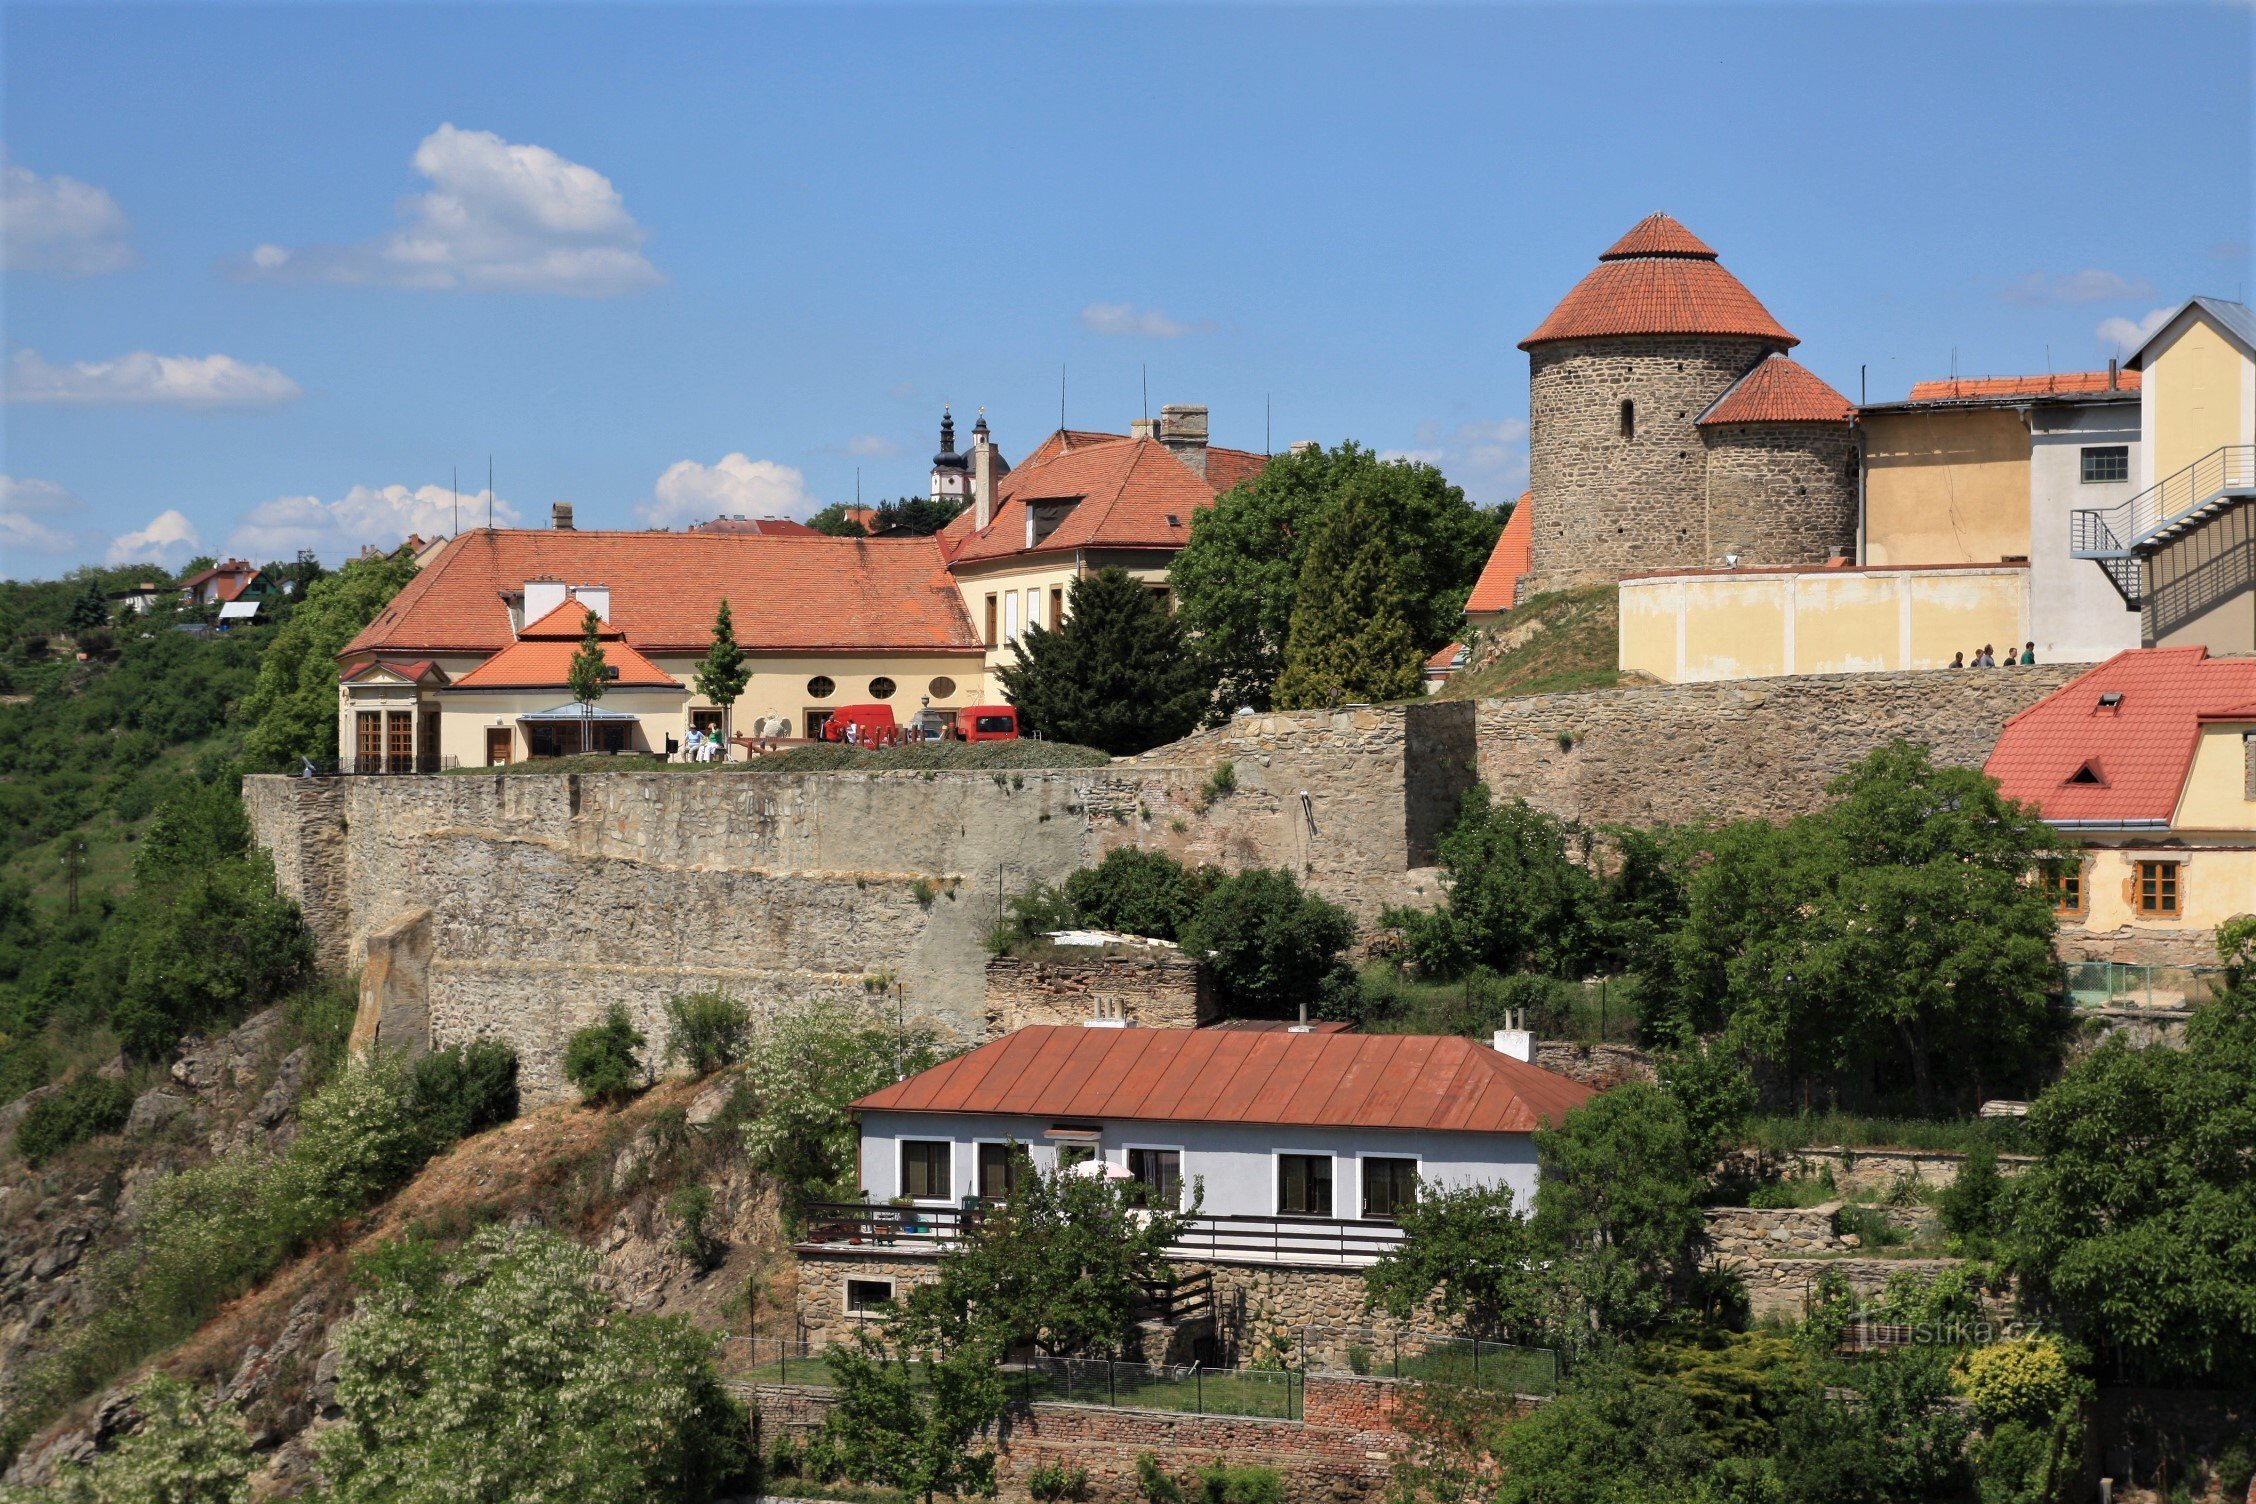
<point>1780,493</point>
<point>1610,505</point>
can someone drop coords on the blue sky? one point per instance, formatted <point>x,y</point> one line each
<point>274,272</point>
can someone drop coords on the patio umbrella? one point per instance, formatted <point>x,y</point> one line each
<point>1097,1169</point>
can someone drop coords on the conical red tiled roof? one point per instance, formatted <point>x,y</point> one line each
<point>1778,390</point>
<point>1658,235</point>
<point>1660,278</point>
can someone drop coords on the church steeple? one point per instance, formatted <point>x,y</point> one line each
<point>951,471</point>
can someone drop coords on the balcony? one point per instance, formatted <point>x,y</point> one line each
<point>1328,1242</point>
<point>2119,538</point>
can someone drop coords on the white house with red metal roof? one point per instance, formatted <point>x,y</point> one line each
<point>2149,760</point>
<point>1311,1140</point>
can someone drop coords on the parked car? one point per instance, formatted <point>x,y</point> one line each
<point>876,723</point>
<point>988,723</point>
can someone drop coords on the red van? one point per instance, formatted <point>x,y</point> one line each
<point>988,723</point>
<point>878,727</point>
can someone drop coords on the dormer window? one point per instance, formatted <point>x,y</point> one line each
<point>2111,702</point>
<point>1043,517</point>
<point>2088,773</point>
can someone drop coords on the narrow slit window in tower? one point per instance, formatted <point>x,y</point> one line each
<point>1628,418</point>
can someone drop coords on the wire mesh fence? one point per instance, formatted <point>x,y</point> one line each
<point>1430,1357</point>
<point>1187,1388</point>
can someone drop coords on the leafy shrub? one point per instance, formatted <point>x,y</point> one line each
<point>600,1059</point>
<point>184,1452</point>
<point>1153,1482</point>
<point>1222,1482</point>
<point>2011,1463</point>
<point>691,1206</point>
<point>626,1407</point>
<point>1029,915</point>
<point>706,1031</point>
<point>1870,1226</point>
<point>805,1067</point>
<point>2027,1380</point>
<point>1054,1482</point>
<point>1519,898</point>
<point>1972,1204</point>
<point>357,1137</point>
<point>88,1104</point>
<point>1137,892</point>
<point>1272,946</point>
<point>464,1089</point>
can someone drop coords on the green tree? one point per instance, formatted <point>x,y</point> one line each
<point>1272,945</point>
<point>1350,638</point>
<point>832,522</point>
<point>88,610</point>
<point>907,1412</point>
<point>587,675</point>
<point>1895,934</point>
<point>291,712</point>
<point>2133,1226</point>
<point>803,1072</point>
<point>1714,1096</point>
<point>721,677</point>
<point>1138,892</point>
<point>1238,579</point>
<point>1619,1203</point>
<point>582,1401</point>
<point>1469,1254</point>
<point>1116,675</point>
<point>601,1061</point>
<point>706,1030</point>
<point>183,1452</point>
<point>1515,897</point>
<point>918,516</point>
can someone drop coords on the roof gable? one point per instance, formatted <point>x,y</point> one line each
<point>1127,493</point>
<point>1281,1078</point>
<point>2235,319</point>
<point>1498,588</point>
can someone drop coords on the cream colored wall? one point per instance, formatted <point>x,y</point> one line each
<point>778,683</point>
<point>1698,628</point>
<point>1946,487</point>
<point>465,715</point>
<point>1040,573</point>
<point>2214,884</point>
<point>2198,390</point>
<point>2215,796</point>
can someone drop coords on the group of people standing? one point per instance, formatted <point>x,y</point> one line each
<point>1986,657</point>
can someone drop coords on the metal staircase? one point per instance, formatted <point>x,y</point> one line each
<point>2122,537</point>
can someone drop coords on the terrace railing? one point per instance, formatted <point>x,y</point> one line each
<point>2117,537</point>
<point>1278,1240</point>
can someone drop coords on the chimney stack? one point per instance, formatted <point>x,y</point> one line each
<point>560,516</point>
<point>2114,374</point>
<point>1144,428</point>
<point>1182,428</point>
<point>982,477</point>
<point>1515,1040</point>
<point>1303,446</point>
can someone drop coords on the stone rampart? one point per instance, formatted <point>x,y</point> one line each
<point>1754,748</point>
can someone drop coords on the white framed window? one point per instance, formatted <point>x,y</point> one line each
<point>1158,1172</point>
<point>1387,1184</point>
<point>928,1169</point>
<point>1033,607</point>
<point>1010,616</point>
<point>1303,1184</point>
<point>866,1298</point>
<point>995,1175</point>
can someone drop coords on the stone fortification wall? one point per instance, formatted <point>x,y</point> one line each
<point>1758,748</point>
<point>1151,988</point>
<point>1781,493</point>
<point>1599,1065</point>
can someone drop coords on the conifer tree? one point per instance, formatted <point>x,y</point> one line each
<point>1116,676</point>
<point>722,676</point>
<point>1351,638</point>
<point>89,610</point>
<point>586,676</point>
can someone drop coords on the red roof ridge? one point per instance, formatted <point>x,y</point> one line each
<point>1966,388</point>
<point>1779,389</point>
<point>569,620</point>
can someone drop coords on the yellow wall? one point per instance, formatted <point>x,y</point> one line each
<point>1946,487</point>
<point>2199,394</point>
<point>1694,628</point>
<point>2215,796</point>
<point>2214,884</point>
<point>1040,573</point>
<point>464,717</point>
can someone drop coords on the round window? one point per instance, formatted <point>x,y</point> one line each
<point>941,689</point>
<point>820,687</point>
<point>881,689</point>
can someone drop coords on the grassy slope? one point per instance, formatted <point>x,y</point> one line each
<point>1558,642</point>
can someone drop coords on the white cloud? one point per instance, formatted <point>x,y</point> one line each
<point>736,486</point>
<point>30,508</point>
<point>168,539</point>
<point>2126,335</point>
<point>500,217</point>
<point>144,379</point>
<point>864,446</point>
<point>382,515</point>
<point>2091,285</point>
<point>1488,459</point>
<point>60,224</point>
<point>1127,318</point>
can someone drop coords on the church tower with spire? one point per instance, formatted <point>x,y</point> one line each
<point>951,471</point>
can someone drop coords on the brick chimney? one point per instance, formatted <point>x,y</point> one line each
<point>982,477</point>
<point>1182,428</point>
<point>560,516</point>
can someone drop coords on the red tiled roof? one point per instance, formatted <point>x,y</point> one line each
<point>1779,390</point>
<point>787,594</point>
<point>1230,1076</point>
<point>541,657</point>
<point>1660,278</point>
<point>1498,588</point>
<point>772,527</point>
<point>1444,661</point>
<point>2139,750</point>
<point>414,673</point>
<point>1123,491</point>
<point>1963,388</point>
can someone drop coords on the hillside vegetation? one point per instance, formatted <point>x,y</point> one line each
<point>1551,644</point>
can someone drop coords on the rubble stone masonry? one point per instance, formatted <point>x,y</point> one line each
<point>1780,493</point>
<point>1150,988</point>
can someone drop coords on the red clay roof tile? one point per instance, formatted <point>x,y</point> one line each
<point>1498,588</point>
<point>1242,1076</point>
<point>1122,491</point>
<point>1660,278</point>
<point>1778,390</point>
<point>2141,748</point>
<point>1963,388</point>
<point>787,594</point>
<point>541,657</point>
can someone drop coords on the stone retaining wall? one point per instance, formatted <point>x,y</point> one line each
<point>1599,1065</point>
<point>1782,1286</point>
<point>1878,1169</point>
<point>1151,988</point>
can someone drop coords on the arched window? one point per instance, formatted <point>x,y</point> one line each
<point>881,688</point>
<point>1628,418</point>
<point>820,687</point>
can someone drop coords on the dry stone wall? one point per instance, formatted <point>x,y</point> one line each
<point>1150,988</point>
<point>1758,748</point>
<point>1781,493</point>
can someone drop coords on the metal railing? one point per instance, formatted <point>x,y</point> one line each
<point>1430,1357</point>
<point>2100,532</point>
<point>1319,1240</point>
